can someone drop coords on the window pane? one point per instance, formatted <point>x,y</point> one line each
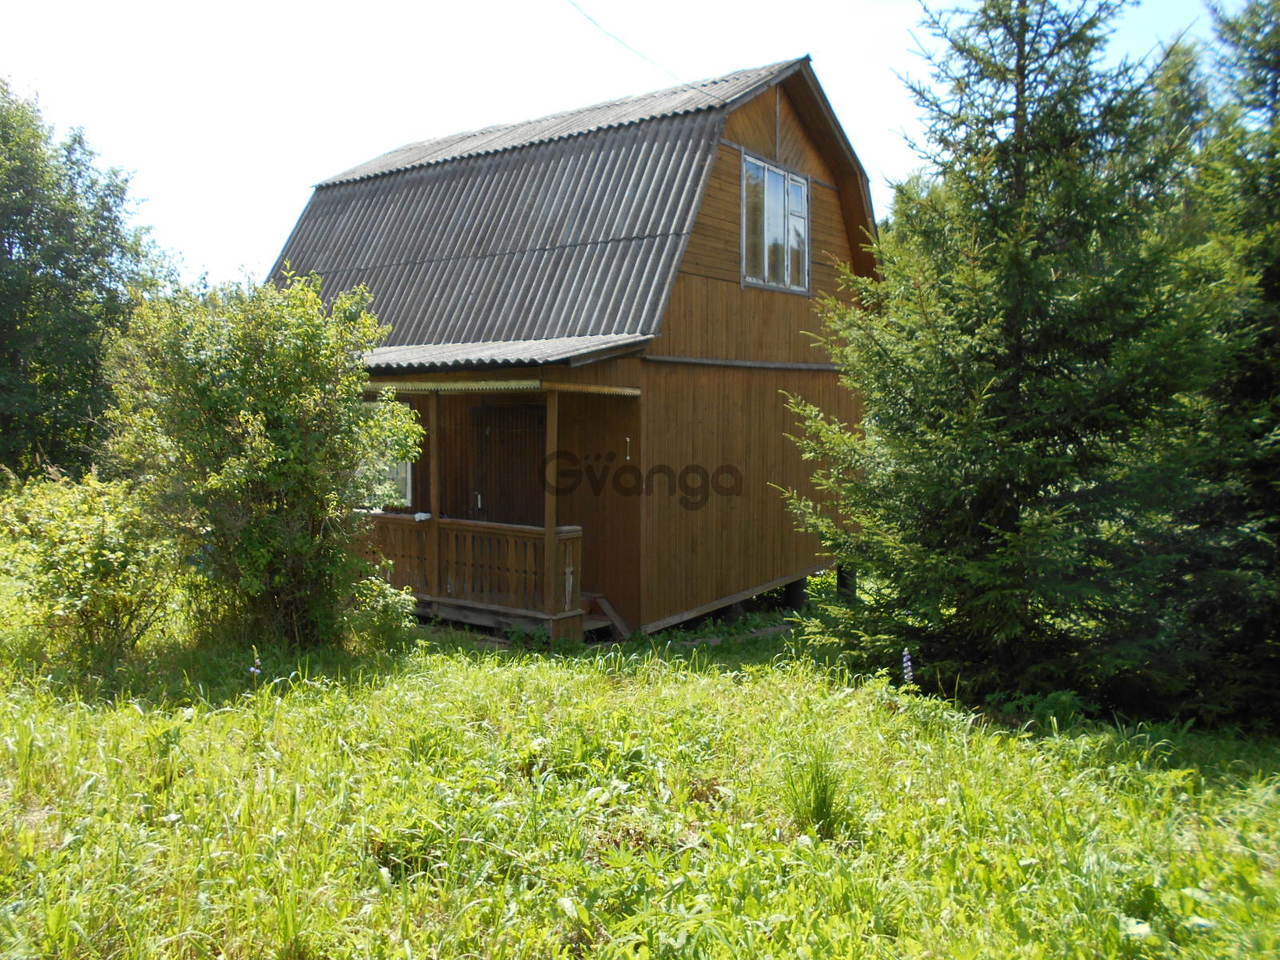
<point>753,235</point>
<point>400,476</point>
<point>796,204</point>
<point>775,227</point>
<point>799,252</point>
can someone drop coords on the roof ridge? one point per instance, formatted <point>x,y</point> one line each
<point>628,98</point>
<point>426,155</point>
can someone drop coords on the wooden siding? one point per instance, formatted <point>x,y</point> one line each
<point>715,319</point>
<point>769,127</point>
<point>594,432</point>
<point>653,556</point>
<point>707,416</point>
<point>712,313</point>
<point>795,148</point>
<point>710,417</point>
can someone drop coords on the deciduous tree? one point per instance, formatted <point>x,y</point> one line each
<point>242,413</point>
<point>67,258</point>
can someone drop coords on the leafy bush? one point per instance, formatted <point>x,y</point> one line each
<point>243,410</point>
<point>379,611</point>
<point>85,565</point>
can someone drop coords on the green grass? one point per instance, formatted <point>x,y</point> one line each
<point>449,802</point>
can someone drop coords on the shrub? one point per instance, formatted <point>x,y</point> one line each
<point>244,412</point>
<point>379,612</point>
<point>84,564</point>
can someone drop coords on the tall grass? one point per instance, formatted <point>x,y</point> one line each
<point>450,803</point>
<point>815,791</point>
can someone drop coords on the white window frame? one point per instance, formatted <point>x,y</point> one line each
<point>404,483</point>
<point>789,178</point>
<point>402,480</point>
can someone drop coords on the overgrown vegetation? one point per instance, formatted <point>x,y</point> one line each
<point>1065,478</point>
<point>441,802</point>
<point>241,415</point>
<point>87,573</point>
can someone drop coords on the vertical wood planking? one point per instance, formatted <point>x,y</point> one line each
<point>549,499</point>
<point>712,313</point>
<point>712,416</point>
<point>433,461</point>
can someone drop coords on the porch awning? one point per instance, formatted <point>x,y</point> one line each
<point>503,353</point>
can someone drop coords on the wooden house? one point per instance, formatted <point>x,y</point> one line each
<point>597,315</point>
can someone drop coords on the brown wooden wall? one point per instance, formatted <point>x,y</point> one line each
<point>713,416</point>
<point>769,127</point>
<point>710,415</point>
<point>594,431</point>
<point>712,313</point>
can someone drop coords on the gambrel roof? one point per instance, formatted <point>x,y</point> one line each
<point>570,226</point>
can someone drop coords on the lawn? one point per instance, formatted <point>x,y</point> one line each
<point>673,801</point>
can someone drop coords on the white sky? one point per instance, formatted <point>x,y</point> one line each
<point>226,113</point>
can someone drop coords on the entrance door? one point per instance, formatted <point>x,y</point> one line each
<point>506,478</point>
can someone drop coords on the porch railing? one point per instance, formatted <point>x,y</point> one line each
<point>497,564</point>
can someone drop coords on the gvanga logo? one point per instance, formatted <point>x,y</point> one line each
<point>693,483</point>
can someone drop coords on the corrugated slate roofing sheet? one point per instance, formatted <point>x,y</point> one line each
<point>685,98</point>
<point>567,227</point>
<point>500,353</point>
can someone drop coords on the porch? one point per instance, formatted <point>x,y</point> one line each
<point>490,574</point>
<point>489,536</point>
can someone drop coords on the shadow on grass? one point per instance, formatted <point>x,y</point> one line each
<point>174,671</point>
<point>718,646</point>
<point>1221,757</point>
<point>170,672</point>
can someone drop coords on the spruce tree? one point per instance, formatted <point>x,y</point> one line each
<point>1228,590</point>
<point>1024,359</point>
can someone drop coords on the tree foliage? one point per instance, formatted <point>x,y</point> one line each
<point>1227,594</point>
<point>1028,360</point>
<point>242,412</point>
<point>67,257</point>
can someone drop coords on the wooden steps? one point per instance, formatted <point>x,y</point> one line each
<point>600,614</point>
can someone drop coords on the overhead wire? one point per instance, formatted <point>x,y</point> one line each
<point>647,59</point>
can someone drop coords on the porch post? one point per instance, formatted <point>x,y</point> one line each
<point>549,504</point>
<point>433,468</point>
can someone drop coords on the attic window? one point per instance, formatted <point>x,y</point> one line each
<point>775,226</point>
